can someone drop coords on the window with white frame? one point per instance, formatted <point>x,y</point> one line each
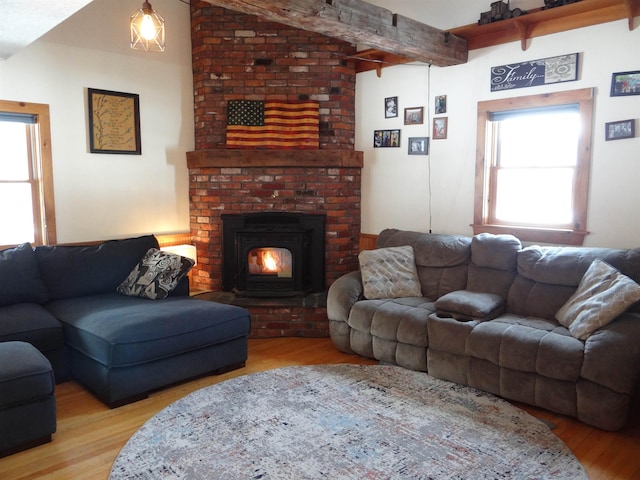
<point>26,183</point>
<point>532,170</point>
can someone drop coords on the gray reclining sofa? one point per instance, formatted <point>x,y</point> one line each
<point>485,316</point>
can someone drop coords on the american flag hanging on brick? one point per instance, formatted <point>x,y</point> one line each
<point>272,124</point>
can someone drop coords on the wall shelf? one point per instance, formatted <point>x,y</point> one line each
<point>535,23</point>
<point>540,22</point>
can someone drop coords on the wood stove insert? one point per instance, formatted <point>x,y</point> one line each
<point>273,254</point>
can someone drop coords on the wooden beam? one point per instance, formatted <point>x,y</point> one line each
<point>248,158</point>
<point>356,21</point>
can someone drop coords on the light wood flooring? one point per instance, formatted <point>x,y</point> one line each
<point>90,435</point>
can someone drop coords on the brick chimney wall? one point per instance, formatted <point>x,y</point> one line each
<point>242,57</point>
<point>238,56</point>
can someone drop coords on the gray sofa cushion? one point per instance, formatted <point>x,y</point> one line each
<point>117,330</point>
<point>75,271</point>
<point>389,273</point>
<point>21,280</point>
<point>527,345</point>
<point>548,276</point>
<point>567,265</point>
<point>493,263</point>
<point>603,294</point>
<point>441,260</point>
<point>465,305</point>
<point>402,320</point>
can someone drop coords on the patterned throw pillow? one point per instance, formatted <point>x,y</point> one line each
<point>389,273</point>
<point>156,275</point>
<point>603,294</point>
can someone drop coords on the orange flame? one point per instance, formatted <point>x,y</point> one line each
<point>269,262</point>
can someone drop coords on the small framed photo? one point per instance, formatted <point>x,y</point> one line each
<point>414,116</point>
<point>619,130</point>
<point>418,145</point>
<point>386,138</point>
<point>390,107</point>
<point>625,83</point>
<point>440,128</point>
<point>441,104</point>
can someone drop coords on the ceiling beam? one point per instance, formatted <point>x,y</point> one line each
<point>360,22</point>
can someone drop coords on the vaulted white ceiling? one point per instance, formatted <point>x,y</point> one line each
<point>23,21</point>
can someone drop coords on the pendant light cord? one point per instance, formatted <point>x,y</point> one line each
<point>430,146</point>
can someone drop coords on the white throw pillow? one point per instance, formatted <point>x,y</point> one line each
<point>389,273</point>
<point>603,294</point>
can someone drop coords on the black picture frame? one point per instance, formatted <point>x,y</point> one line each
<point>418,146</point>
<point>620,129</point>
<point>386,138</point>
<point>625,83</point>
<point>544,71</point>
<point>390,107</point>
<point>114,122</point>
<point>440,106</point>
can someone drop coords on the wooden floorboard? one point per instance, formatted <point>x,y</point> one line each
<point>90,435</point>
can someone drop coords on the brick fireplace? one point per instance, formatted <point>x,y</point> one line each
<point>236,57</point>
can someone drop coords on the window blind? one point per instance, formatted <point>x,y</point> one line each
<point>554,109</point>
<point>14,117</point>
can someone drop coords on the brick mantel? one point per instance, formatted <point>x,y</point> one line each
<point>224,157</point>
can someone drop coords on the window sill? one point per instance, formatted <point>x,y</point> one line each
<point>536,235</point>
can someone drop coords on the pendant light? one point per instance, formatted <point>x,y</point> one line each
<point>147,29</point>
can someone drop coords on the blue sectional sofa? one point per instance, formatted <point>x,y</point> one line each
<point>64,301</point>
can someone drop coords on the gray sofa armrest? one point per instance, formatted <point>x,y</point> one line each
<point>612,354</point>
<point>342,295</point>
<point>465,305</point>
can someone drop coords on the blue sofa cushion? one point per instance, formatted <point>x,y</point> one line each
<point>156,275</point>
<point>117,330</point>
<point>26,375</point>
<point>21,280</point>
<point>30,322</point>
<point>75,271</point>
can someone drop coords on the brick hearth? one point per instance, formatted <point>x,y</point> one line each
<point>242,57</point>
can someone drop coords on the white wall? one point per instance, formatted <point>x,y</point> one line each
<point>395,185</point>
<point>102,196</point>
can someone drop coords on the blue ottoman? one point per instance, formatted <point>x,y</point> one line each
<point>27,398</point>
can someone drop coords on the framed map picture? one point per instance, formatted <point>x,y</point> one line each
<point>114,122</point>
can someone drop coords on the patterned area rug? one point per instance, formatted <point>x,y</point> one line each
<point>343,422</point>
